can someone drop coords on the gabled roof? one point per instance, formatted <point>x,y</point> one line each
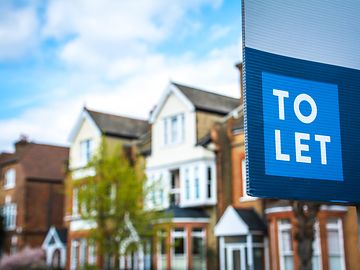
<point>239,221</point>
<point>55,236</point>
<point>118,126</point>
<point>208,101</point>
<point>198,100</point>
<point>252,219</point>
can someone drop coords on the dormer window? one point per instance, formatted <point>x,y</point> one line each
<point>86,147</point>
<point>9,179</point>
<point>174,129</point>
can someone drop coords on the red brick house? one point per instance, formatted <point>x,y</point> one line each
<point>32,197</point>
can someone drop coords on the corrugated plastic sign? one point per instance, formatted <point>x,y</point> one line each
<point>302,99</point>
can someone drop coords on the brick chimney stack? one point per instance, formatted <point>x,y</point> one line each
<point>21,143</point>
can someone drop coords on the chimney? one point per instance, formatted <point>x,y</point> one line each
<point>21,143</point>
<point>239,67</point>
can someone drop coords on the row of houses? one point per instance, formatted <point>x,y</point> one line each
<point>193,142</point>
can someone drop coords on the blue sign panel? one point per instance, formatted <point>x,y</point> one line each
<point>302,99</point>
<point>301,128</point>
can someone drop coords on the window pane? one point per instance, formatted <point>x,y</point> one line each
<point>10,178</point>
<point>286,241</point>
<point>335,262</point>
<point>174,129</point>
<point>288,263</point>
<point>166,131</point>
<point>285,245</point>
<point>259,259</point>
<point>187,185</point>
<point>333,242</point>
<point>209,180</point>
<point>198,249</point>
<point>197,187</point>
<point>316,262</point>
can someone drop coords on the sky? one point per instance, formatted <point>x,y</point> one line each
<point>114,56</point>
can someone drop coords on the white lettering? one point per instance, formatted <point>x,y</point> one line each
<point>281,95</point>
<point>279,155</point>
<point>311,117</point>
<point>299,147</point>
<point>323,140</point>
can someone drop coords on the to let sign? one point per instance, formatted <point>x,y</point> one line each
<point>301,128</point>
<point>302,96</point>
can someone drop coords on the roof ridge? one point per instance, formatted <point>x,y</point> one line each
<point>202,90</point>
<point>117,115</point>
<point>48,145</point>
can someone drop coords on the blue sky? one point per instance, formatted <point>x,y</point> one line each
<point>113,56</point>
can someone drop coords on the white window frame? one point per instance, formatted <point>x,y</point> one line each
<point>282,227</point>
<point>187,184</point>
<point>182,234</point>
<point>197,189</point>
<point>75,202</point>
<point>209,182</point>
<point>339,228</point>
<point>82,252</point>
<point>245,196</point>
<point>201,234</point>
<point>9,178</point>
<point>91,253</point>
<point>174,129</point>
<point>74,259</point>
<point>10,213</point>
<point>86,151</point>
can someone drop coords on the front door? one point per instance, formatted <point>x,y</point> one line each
<point>235,257</point>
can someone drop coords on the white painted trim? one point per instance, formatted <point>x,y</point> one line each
<point>171,88</point>
<point>333,208</point>
<point>278,209</point>
<point>176,165</point>
<point>84,115</point>
<point>222,253</point>
<point>266,253</point>
<point>250,257</point>
<point>190,220</point>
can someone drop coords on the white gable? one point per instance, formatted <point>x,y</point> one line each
<point>171,89</point>
<point>231,224</point>
<point>52,234</point>
<point>84,117</point>
<point>84,129</point>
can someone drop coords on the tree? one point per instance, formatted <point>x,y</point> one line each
<point>114,200</point>
<point>305,214</point>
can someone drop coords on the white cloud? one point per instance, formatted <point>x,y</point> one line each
<point>219,31</point>
<point>18,31</point>
<point>111,29</point>
<point>110,63</point>
<point>135,95</point>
